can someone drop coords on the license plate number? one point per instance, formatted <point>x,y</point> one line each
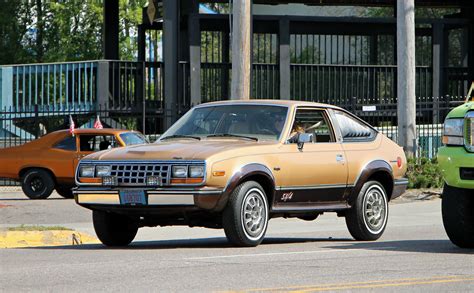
<point>132,197</point>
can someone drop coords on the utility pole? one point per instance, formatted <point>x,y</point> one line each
<point>241,49</point>
<point>406,75</point>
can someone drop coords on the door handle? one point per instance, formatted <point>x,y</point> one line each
<point>340,158</point>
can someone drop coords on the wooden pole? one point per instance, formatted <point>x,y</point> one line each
<point>241,49</point>
<point>406,75</point>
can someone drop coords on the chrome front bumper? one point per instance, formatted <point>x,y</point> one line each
<point>205,198</point>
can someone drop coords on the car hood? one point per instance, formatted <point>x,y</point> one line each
<point>460,111</point>
<point>181,150</point>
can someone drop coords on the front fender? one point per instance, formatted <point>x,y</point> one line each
<point>243,173</point>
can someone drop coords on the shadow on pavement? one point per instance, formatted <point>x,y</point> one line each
<point>35,200</point>
<point>427,246</point>
<point>215,242</point>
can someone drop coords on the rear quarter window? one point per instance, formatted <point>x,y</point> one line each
<point>67,144</point>
<point>352,129</point>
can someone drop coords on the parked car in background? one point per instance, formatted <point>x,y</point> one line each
<point>456,160</point>
<point>236,164</point>
<point>49,162</point>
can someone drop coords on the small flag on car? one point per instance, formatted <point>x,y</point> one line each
<point>98,124</point>
<point>71,125</point>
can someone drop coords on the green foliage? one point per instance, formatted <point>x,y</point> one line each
<point>57,30</point>
<point>424,173</point>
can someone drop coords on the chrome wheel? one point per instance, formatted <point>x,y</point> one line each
<point>254,213</point>
<point>375,209</point>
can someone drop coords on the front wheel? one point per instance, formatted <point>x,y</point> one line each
<point>457,207</point>
<point>114,229</point>
<point>245,218</point>
<point>367,219</point>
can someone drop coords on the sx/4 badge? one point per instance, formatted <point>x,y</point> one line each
<point>287,196</point>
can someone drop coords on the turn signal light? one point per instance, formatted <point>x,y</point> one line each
<point>399,162</point>
<point>186,180</point>
<point>218,173</point>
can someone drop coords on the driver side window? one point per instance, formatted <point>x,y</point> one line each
<point>313,122</point>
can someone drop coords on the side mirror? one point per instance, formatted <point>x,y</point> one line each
<point>303,138</point>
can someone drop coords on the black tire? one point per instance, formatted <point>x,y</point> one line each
<point>65,191</point>
<point>239,208</point>
<point>358,219</point>
<point>37,184</point>
<point>114,229</point>
<point>457,208</point>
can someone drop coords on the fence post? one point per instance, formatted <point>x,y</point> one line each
<point>353,104</point>
<point>37,128</point>
<point>435,110</point>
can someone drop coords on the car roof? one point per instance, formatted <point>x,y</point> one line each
<point>287,103</point>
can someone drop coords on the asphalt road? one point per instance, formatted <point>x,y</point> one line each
<point>413,255</point>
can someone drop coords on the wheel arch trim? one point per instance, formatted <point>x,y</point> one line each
<point>366,172</point>
<point>240,175</point>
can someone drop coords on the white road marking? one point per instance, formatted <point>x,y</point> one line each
<point>287,253</point>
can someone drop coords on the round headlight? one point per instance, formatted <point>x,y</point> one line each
<point>196,171</point>
<point>179,171</point>
<point>86,171</point>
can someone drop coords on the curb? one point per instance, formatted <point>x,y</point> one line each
<point>19,239</point>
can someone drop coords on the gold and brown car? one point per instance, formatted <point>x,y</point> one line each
<point>49,162</point>
<point>235,165</point>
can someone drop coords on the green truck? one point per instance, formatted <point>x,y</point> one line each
<point>456,159</point>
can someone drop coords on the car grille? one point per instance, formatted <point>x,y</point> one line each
<point>466,173</point>
<point>135,174</point>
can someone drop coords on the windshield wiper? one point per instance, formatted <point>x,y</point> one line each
<point>232,135</point>
<point>180,136</point>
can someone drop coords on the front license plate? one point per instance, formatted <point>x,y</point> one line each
<point>132,197</point>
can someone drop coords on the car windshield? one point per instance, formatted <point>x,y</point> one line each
<point>131,138</point>
<point>251,122</point>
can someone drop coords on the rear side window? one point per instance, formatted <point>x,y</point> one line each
<point>94,143</point>
<point>353,129</point>
<point>67,144</point>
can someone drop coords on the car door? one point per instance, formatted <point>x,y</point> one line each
<point>317,172</point>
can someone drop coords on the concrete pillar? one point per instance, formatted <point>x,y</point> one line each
<point>285,71</point>
<point>170,58</point>
<point>406,75</point>
<point>195,58</point>
<point>241,49</point>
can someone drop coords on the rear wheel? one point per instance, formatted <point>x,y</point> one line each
<point>458,215</point>
<point>37,184</point>
<point>65,191</point>
<point>114,229</point>
<point>245,218</point>
<point>367,219</point>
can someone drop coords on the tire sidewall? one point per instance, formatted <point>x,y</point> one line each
<point>458,220</point>
<point>371,185</point>
<point>258,189</point>
<point>47,181</point>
